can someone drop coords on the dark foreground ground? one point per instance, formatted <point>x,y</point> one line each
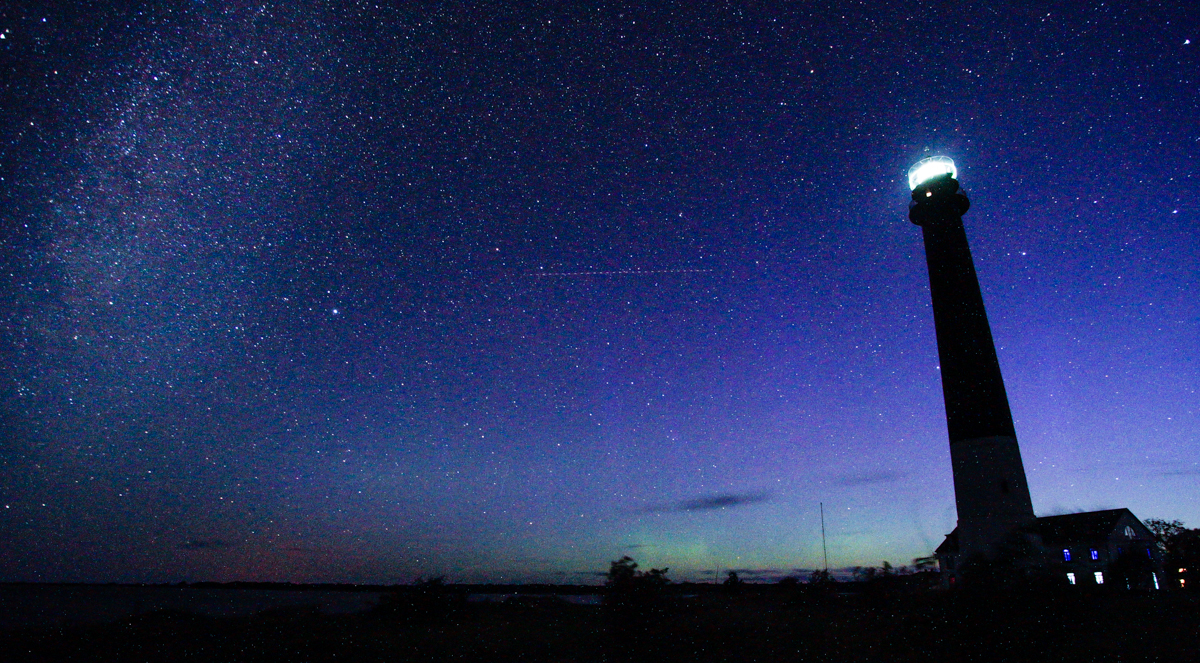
<point>766,624</point>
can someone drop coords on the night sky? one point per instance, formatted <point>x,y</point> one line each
<point>354,292</point>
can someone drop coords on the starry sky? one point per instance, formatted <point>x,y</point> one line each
<point>366,292</point>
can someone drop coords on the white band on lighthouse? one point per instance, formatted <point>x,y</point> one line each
<point>927,169</point>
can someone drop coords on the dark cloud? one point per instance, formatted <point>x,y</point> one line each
<point>711,502</point>
<point>746,574</point>
<point>723,501</point>
<point>202,544</point>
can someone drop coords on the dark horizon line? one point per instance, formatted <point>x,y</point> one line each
<point>346,586</point>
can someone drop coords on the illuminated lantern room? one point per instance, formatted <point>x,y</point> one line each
<point>927,169</point>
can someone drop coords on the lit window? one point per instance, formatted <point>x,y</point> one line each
<point>1066,554</point>
<point>1095,554</point>
<point>1071,578</point>
<point>1149,554</point>
<point>1129,532</point>
<point>1099,577</point>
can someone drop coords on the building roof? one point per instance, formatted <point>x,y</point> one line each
<point>1072,527</point>
<point>950,545</point>
<point>1065,529</point>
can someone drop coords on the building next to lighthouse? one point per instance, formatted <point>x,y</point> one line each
<point>995,510</point>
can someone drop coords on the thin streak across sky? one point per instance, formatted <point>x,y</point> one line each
<point>622,272</point>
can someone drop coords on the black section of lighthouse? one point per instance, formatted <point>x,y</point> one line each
<point>990,490</point>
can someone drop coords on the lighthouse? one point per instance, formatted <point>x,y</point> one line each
<point>990,490</point>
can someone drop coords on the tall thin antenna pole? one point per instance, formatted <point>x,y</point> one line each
<point>824,549</point>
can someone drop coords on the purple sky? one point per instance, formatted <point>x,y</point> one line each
<point>347,292</point>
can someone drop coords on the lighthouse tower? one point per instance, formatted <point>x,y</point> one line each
<point>990,490</point>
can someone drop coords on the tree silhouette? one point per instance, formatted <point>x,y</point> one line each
<point>1164,530</point>
<point>621,572</point>
<point>820,577</point>
<point>1181,552</point>
<point>629,588</point>
<point>623,575</point>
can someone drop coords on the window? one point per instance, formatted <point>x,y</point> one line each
<point>1149,554</point>
<point>1071,578</point>
<point>1095,554</point>
<point>1066,554</point>
<point>1128,532</point>
<point>1155,575</point>
<point>1099,577</point>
